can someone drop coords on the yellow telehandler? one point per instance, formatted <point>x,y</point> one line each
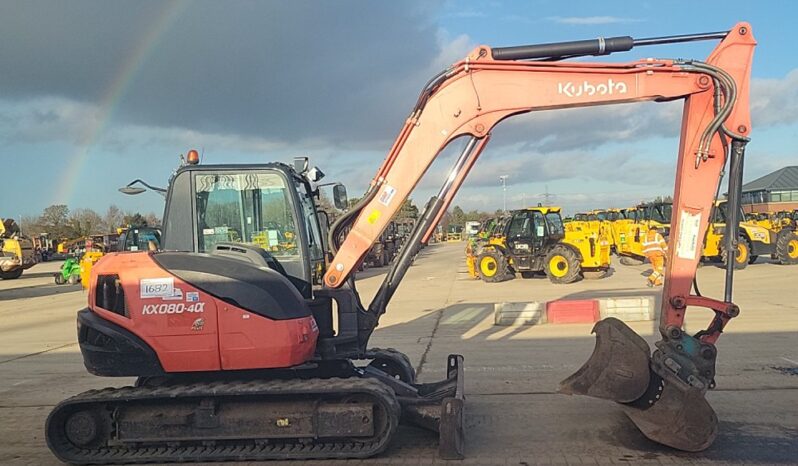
<point>534,240</point>
<point>780,243</point>
<point>631,233</point>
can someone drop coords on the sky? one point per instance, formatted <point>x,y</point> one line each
<point>94,94</point>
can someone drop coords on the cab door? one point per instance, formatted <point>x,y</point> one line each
<point>522,240</point>
<point>540,233</point>
<point>519,233</point>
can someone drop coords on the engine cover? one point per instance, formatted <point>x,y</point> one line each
<point>198,312</point>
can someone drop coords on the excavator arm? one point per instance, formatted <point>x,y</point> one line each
<point>470,98</point>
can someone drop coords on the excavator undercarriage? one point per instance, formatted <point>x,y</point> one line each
<point>291,415</point>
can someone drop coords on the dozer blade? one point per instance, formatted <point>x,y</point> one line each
<point>677,416</point>
<point>439,407</point>
<point>617,370</point>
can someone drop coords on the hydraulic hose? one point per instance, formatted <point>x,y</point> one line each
<point>347,219</point>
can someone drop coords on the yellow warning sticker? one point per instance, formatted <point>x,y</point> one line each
<point>374,216</point>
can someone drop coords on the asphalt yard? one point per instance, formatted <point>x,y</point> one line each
<point>513,413</point>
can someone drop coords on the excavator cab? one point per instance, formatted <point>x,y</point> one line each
<point>267,205</point>
<point>229,318</point>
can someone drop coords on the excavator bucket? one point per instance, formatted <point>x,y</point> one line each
<point>665,409</point>
<point>617,370</point>
<point>677,416</point>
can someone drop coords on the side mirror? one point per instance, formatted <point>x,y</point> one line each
<point>339,196</point>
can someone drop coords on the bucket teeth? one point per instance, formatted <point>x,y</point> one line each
<point>617,370</point>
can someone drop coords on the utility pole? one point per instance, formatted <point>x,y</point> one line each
<point>546,196</point>
<point>503,181</point>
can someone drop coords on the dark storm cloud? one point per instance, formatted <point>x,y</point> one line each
<point>281,70</point>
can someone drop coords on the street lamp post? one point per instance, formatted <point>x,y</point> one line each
<point>503,181</point>
<point>131,190</point>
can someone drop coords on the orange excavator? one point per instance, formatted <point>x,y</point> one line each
<point>246,354</point>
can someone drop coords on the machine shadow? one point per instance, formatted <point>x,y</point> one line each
<point>512,412</point>
<point>28,274</point>
<point>37,291</point>
<point>513,408</point>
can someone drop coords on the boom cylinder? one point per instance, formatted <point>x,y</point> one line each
<point>733,214</point>
<point>599,46</point>
<point>428,216</point>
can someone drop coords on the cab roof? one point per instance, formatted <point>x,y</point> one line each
<point>542,209</point>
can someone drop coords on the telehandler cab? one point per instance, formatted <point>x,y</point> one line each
<point>632,233</point>
<point>234,346</point>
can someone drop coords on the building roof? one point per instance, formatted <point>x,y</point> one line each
<point>784,179</point>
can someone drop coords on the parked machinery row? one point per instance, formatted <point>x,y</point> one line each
<point>390,242</point>
<point>771,235</point>
<point>775,220</point>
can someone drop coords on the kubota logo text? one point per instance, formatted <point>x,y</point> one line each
<point>576,90</point>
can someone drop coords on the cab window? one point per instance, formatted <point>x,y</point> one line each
<point>254,208</point>
<point>662,213</point>
<point>540,224</point>
<point>554,222</point>
<point>520,226</point>
<point>138,239</point>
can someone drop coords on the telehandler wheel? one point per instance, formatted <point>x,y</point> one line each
<point>59,279</point>
<point>562,265</point>
<point>492,266</point>
<point>742,256</point>
<point>787,248</point>
<point>14,274</point>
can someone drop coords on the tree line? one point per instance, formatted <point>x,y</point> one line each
<point>59,222</point>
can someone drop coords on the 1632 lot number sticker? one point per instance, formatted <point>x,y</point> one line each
<point>156,287</point>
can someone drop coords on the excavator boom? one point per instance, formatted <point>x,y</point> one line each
<point>470,98</point>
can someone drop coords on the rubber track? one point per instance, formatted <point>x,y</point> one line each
<point>228,450</point>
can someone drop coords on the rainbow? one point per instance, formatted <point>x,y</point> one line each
<point>76,163</point>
